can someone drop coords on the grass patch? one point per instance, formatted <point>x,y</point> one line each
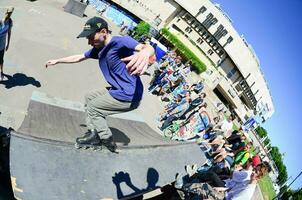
<point>267,188</point>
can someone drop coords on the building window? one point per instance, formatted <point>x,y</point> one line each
<point>199,41</point>
<point>220,52</point>
<point>209,21</point>
<point>230,39</point>
<point>214,21</point>
<point>210,52</point>
<point>231,73</point>
<point>197,27</point>
<point>220,32</point>
<point>194,24</point>
<point>238,87</point>
<point>188,29</point>
<point>191,21</point>
<point>202,9</point>
<point>187,17</point>
<point>205,36</point>
<point>157,20</point>
<point>209,38</point>
<point>215,46</point>
<point>203,33</point>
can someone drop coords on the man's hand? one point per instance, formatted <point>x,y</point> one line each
<point>51,62</point>
<point>138,62</point>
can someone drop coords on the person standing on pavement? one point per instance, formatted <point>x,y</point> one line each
<point>5,33</point>
<point>126,89</point>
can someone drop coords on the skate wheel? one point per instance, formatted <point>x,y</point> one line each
<point>76,145</point>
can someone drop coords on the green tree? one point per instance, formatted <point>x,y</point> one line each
<point>295,194</point>
<point>141,29</point>
<point>282,178</point>
<point>261,131</point>
<point>277,157</point>
<point>267,141</point>
<point>288,193</point>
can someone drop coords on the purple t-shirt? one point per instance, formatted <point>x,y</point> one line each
<point>124,87</point>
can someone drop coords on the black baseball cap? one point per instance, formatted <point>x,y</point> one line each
<point>93,25</point>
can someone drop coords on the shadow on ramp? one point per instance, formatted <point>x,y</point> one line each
<point>47,166</point>
<point>123,177</point>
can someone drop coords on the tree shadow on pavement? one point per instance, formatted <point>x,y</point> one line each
<point>19,79</point>
<point>120,177</point>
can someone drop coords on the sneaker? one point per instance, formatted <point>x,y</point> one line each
<point>109,144</point>
<point>178,181</point>
<point>194,168</point>
<point>191,169</point>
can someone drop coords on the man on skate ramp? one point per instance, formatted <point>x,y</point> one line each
<point>126,88</point>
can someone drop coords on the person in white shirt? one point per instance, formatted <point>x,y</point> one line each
<point>226,126</point>
<point>244,188</point>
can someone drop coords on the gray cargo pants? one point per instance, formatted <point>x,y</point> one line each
<point>100,104</point>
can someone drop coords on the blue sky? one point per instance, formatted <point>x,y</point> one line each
<point>274,30</point>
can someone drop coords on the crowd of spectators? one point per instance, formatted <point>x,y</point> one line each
<point>232,167</point>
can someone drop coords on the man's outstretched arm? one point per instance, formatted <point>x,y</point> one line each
<point>69,59</point>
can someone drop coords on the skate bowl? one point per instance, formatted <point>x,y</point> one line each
<point>45,165</point>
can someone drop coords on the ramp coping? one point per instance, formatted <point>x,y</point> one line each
<point>70,144</point>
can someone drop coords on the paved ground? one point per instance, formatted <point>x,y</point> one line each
<point>43,31</point>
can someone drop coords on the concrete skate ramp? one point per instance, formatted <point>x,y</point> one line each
<point>63,125</point>
<point>47,166</point>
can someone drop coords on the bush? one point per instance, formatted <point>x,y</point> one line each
<point>141,29</point>
<point>185,51</point>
